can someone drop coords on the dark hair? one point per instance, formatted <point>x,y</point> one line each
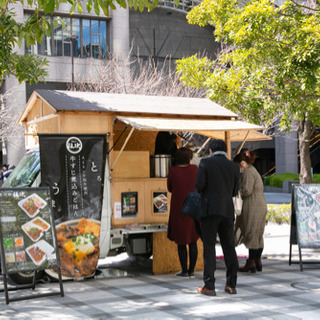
<point>183,156</point>
<point>217,145</point>
<point>245,155</point>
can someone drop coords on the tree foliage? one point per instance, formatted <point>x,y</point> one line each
<point>12,32</point>
<point>272,66</point>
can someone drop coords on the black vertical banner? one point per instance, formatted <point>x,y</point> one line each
<point>73,167</point>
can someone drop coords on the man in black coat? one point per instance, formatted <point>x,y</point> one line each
<point>218,181</point>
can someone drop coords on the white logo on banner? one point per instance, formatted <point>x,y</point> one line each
<point>74,145</point>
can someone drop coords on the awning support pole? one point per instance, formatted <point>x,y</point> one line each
<point>124,145</point>
<point>206,142</point>
<point>228,143</point>
<point>242,143</point>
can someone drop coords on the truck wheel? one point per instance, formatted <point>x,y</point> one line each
<point>24,277</point>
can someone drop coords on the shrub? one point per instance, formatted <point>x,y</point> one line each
<point>279,213</point>
<point>275,180</point>
<point>316,178</point>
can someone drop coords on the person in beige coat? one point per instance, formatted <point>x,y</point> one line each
<point>251,222</point>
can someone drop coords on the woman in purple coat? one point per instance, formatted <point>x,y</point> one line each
<point>181,229</point>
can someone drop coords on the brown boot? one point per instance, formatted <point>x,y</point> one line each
<point>250,266</point>
<point>258,264</point>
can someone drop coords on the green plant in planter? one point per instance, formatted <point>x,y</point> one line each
<point>275,180</point>
<point>279,213</point>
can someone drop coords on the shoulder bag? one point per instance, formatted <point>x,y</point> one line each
<point>194,205</point>
<point>237,203</point>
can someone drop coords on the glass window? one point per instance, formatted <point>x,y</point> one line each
<point>57,39</point>
<point>66,37</point>
<point>86,52</point>
<point>95,39</point>
<point>76,43</point>
<point>91,41</point>
<point>103,41</point>
<point>43,48</point>
<point>94,26</point>
<point>95,51</point>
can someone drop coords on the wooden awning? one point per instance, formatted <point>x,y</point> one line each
<point>238,130</point>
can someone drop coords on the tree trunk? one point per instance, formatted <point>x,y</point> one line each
<point>305,128</point>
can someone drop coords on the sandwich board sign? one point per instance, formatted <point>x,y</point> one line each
<point>27,233</point>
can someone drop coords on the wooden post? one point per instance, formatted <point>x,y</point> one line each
<point>120,152</point>
<point>242,143</point>
<point>228,143</point>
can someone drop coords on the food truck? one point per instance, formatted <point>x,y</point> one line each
<point>135,201</point>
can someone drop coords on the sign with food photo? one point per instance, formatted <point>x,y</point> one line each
<point>307,211</point>
<point>27,237</point>
<point>73,167</point>
<point>78,243</point>
<point>160,202</point>
<point>129,204</point>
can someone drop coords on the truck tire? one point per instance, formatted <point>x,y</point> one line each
<point>24,277</point>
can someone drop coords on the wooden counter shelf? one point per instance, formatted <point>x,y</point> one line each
<point>146,188</point>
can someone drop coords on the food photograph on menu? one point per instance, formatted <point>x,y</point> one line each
<point>78,244</point>
<point>160,201</point>
<point>129,204</point>
<point>32,204</point>
<point>28,238</point>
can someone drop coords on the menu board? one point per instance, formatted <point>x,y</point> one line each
<point>160,202</point>
<point>129,204</point>
<point>307,211</point>
<point>27,229</point>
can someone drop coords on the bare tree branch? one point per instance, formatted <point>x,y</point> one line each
<point>138,76</point>
<point>9,129</point>
<point>310,5</point>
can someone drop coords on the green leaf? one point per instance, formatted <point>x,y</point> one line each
<point>122,3</point>
<point>141,5</point>
<point>79,6</point>
<point>96,7</point>
<point>89,5</point>
<point>72,9</point>
<point>49,7</point>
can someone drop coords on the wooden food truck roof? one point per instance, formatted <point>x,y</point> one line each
<point>153,113</point>
<point>128,104</point>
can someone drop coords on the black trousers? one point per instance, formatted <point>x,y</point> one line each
<point>210,227</point>
<point>183,256</point>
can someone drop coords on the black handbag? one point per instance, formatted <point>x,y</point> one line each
<point>194,205</point>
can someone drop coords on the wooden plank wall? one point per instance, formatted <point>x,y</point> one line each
<point>165,255</point>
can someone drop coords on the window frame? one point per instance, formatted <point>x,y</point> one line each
<point>33,49</point>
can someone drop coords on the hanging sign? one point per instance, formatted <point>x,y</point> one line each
<point>73,167</point>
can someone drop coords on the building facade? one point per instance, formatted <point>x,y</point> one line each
<point>160,34</point>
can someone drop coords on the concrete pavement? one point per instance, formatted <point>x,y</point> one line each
<point>127,289</point>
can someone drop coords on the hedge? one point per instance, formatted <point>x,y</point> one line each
<point>275,180</point>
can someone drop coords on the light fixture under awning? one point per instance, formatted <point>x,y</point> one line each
<point>211,128</point>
